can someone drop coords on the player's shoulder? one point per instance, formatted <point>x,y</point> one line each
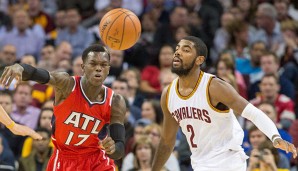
<point>63,78</point>
<point>166,91</point>
<point>216,81</point>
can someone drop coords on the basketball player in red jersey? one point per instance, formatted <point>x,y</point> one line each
<point>87,125</point>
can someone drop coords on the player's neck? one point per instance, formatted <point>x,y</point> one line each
<point>190,80</point>
<point>91,91</point>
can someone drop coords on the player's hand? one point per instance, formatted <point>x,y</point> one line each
<point>286,146</point>
<point>22,130</point>
<point>11,72</point>
<point>108,144</point>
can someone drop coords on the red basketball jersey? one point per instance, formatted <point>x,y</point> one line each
<point>78,123</point>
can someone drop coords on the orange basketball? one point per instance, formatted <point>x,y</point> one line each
<point>120,29</point>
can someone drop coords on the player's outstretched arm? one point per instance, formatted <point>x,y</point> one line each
<point>24,72</point>
<point>15,128</point>
<point>168,137</point>
<point>222,92</point>
<point>114,144</point>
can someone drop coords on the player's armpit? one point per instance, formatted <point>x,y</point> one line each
<point>222,92</point>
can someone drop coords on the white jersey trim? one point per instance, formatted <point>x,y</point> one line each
<point>75,83</point>
<point>193,91</point>
<point>209,102</point>
<point>102,102</point>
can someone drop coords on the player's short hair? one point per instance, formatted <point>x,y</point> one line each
<point>200,46</point>
<point>94,48</point>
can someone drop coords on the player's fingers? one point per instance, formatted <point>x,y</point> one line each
<point>111,149</point>
<point>109,144</point>
<point>35,135</point>
<point>18,79</point>
<point>30,132</point>
<point>9,80</point>
<point>3,75</point>
<point>293,150</point>
<point>287,146</point>
<point>6,76</point>
<point>106,140</point>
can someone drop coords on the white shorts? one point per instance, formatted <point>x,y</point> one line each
<point>233,161</point>
<point>240,168</point>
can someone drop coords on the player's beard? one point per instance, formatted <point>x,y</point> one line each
<point>183,71</point>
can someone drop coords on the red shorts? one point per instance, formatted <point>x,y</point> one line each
<point>90,162</point>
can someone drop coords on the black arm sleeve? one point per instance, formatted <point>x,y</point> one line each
<point>35,74</point>
<point>117,133</point>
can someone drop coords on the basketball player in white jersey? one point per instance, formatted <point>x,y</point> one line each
<point>204,106</point>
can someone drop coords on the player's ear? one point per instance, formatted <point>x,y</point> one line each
<point>200,60</point>
<point>83,66</point>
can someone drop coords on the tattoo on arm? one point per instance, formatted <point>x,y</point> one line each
<point>118,109</point>
<point>61,81</point>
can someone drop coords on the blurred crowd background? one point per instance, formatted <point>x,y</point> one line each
<point>253,45</point>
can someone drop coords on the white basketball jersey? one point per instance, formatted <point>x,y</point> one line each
<point>213,136</point>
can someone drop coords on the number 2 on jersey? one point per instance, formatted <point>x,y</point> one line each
<point>70,135</point>
<point>191,130</point>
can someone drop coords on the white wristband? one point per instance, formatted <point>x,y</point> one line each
<point>276,137</point>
